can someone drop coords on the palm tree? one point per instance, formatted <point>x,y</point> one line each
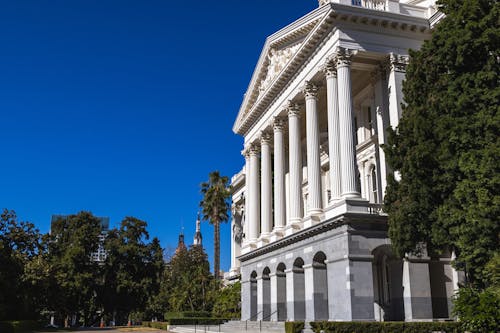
<point>215,209</point>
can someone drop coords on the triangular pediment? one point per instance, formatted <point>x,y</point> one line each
<point>279,49</point>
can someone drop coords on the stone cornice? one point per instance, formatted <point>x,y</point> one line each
<point>254,104</point>
<point>317,229</point>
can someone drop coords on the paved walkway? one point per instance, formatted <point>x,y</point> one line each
<point>111,330</point>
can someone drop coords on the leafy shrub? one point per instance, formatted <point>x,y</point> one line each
<point>227,301</point>
<point>6,327</point>
<point>385,327</point>
<point>18,326</point>
<point>187,314</point>
<point>196,314</point>
<point>479,311</point>
<point>197,321</point>
<point>156,324</point>
<point>294,326</point>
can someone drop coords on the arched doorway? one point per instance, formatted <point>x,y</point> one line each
<point>253,296</point>
<point>266,294</point>
<point>281,291</point>
<point>387,285</point>
<point>320,287</point>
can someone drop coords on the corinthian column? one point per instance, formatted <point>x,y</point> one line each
<point>346,125</point>
<point>279,175</point>
<point>246,231</point>
<point>313,160</point>
<point>266,184</point>
<point>254,198</point>
<point>295,161</point>
<point>333,128</point>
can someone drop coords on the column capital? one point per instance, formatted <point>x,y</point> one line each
<point>343,56</point>
<point>311,90</point>
<point>398,62</point>
<point>330,68</point>
<point>265,137</point>
<point>253,149</point>
<point>279,124</point>
<point>293,109</point>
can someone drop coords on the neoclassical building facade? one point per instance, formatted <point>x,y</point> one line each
<point>309,238</point>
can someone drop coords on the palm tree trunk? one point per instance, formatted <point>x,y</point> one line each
<point>216,250</point>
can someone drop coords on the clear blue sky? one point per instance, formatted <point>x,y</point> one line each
<point>124,107</point>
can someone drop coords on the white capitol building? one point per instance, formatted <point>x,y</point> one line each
<point>309,238</point>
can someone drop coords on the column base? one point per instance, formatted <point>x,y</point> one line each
<point>313,219</point>
<point>277,234</point>
<point>263,239</point>
<point>293,227</point>
<point>249,246</point>
<point>351,195</point>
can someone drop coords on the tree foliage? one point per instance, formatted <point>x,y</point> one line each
<point>75,275</point>
<point>133,268</point>
<point>446,147</point>
<point>215,209</point>
<point>227,302</point>
<point>188,282</point>
<point>20,243</point>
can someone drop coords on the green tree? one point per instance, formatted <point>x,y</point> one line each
<point>227,302</point>
<point>132,271</point>
<point>446,146</point>
<point>188,281</point>
<point>20,246</point>
<point>73,290</point>
<point>215,209</point>
<point>446,149</point>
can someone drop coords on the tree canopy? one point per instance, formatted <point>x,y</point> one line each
<point>446,147</point>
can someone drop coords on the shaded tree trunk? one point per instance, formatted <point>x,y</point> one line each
<point>216,250</point>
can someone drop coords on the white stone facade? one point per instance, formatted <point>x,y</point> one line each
<point>309,240</point>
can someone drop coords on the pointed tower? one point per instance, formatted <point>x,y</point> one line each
<point>181,245</point>
<point>197,236</point>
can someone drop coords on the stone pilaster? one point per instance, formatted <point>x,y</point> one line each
<point>381,114</point>
<point>279,176</point>
<point>333,129</point>
<point>266,185</point>
<point>295,294</point>
<point>346,125</point>
<point>396,74</point>
<point>417,289</point>
<point>309,291</point>
<point>295,161</point>
<point>313,158</point>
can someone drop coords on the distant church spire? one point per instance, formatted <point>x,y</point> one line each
<point>197,236</point>
<point>181,245</point>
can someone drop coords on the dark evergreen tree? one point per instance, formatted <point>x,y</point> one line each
<point>188,281</point>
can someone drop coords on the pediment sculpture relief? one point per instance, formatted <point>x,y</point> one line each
<point>277,60</point>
